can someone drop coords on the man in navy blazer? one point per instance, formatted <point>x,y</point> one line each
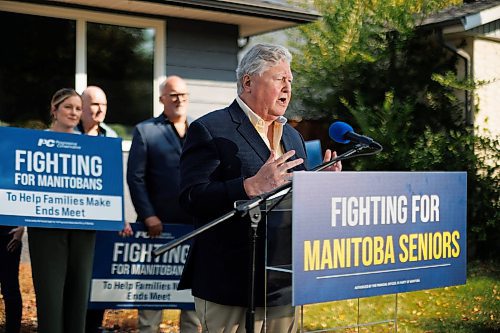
<point>235,154</point>
<point>154,181</point>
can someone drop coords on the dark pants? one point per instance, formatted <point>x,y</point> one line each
<point>93,321</point>
<point>9,283</point>
<point>61,262</point>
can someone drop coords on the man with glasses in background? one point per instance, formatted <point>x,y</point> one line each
<point>154,180</point>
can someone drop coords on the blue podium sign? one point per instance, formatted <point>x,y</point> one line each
<point>60,180</point>
<point>374,233</point>
<point>127,275</point>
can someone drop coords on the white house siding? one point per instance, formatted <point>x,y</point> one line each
<point>208,96</point>
<point>205,54</point>
<point>130,214</point>
<point>486,67</point>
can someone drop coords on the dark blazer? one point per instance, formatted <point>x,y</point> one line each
<point>222,149</point>
<point>153,171</point>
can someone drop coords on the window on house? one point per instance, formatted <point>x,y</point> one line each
<point>120,60</point>
<point>37,58</point>
<point>42,54</point>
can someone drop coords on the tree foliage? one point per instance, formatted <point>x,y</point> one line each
<point>366,63</point>
<point>459,150</point>
<point>364,46</point>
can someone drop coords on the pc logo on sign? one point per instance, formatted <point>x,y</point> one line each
<point>46,142</point>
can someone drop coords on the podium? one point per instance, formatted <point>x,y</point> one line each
<point>352,235</point>
<point>278,260</point>
<point>349,235</point>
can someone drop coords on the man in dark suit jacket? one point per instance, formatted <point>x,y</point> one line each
<point>235,154</point>
<point>153,179</point>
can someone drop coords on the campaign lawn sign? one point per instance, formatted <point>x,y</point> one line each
<point>60,180</point>
<point>128,275</point>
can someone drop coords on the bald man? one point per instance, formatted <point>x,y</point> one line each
<point>94,108</point>
<point>154,180</point>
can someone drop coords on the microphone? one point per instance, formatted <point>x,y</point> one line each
<point>343,133</point>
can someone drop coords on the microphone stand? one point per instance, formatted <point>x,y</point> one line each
<point>252,208</point>
<point>247,205</point>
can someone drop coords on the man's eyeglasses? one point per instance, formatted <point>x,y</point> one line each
<point>178,97</point>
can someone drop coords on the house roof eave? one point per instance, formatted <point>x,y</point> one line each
<point>463,18</point>
<point>253,17</point>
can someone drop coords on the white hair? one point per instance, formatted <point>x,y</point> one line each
<point>258,59</point>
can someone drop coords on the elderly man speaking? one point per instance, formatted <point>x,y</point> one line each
<point>235,154</point>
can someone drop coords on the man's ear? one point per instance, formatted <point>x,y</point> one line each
<point>247,83</point>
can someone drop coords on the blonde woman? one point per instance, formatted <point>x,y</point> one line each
<point>61,259</point>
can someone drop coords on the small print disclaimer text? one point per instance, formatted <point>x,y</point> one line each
<point>386,284</point>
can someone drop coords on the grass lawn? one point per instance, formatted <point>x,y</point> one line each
<point>473,307</point>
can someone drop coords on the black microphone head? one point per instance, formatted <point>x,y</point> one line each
<point>338,130</point>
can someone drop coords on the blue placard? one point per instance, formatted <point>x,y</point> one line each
<point>60,180</point>
<point>127,275</point>
<point>314,155</point>
<point>374,233</point>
